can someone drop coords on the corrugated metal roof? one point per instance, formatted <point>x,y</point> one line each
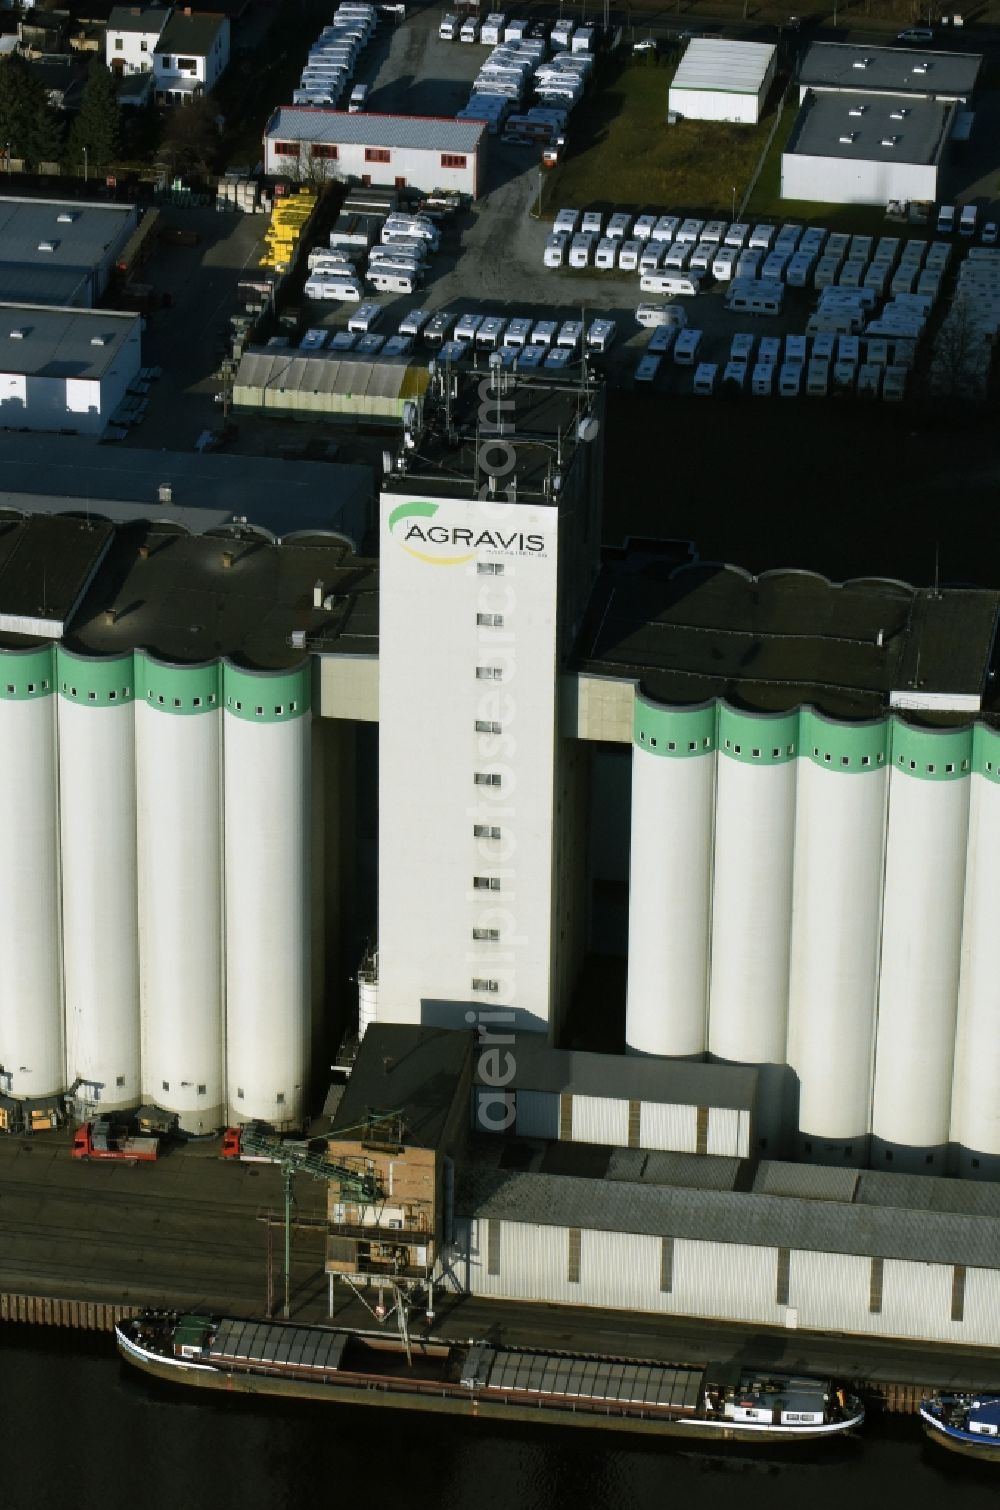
<point>732,67</point>
<point>811,1182</point>
<point>689,1171</point>
<point>631,1077</point>
<point>335,374</point>
<point>758,1221</point>
<point>434,133</point>
<point>918,1192</point>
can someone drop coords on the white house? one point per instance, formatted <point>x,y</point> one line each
<point>191,55</point>
<point>131,38</point>
<point>185,51</point>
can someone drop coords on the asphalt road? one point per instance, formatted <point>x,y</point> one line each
<point>184,1232</point>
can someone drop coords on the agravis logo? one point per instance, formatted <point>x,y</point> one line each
<point>453,545</point>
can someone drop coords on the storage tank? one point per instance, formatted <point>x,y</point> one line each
<point>842,780</point>
<point>673,801</point>
<point>921,944</point>
<point>975,1106</point>
<point>32,1049</point>
<point>752,901</point>
<point>97,827</point>
<point>267,817</point>
<point>178,714</point>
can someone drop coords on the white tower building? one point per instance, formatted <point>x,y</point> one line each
<point>670,891</point>
<point>32,1050</point>
<point>178,714</point>
<point>267,877</point>
<point>97,824</point>
<point>925,866</point>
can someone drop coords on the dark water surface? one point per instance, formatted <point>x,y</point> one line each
<point>77,1428</point>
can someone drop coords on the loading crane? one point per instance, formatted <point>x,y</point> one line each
<point>360,1185</point>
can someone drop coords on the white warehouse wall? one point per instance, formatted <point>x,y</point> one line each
<point>837,180</point>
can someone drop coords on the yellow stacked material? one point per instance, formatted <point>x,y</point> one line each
<point>288,220</point>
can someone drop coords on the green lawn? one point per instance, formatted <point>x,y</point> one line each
<point>624,153</point>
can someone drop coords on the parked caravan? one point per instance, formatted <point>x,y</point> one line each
<point>628,256</point>
<point>723,263</point>
<point>773,267</point>
<point>470,30</point>
<point>652,315</point>
<point>322,286</point>
<point>492,30</point>
<point>365,318</point>
<point>544,333</point>
<point>737,235</point>
<point>606,254</point>
<point>790,380</point>
<point>813,240</point>
<point>713,231</point>
<point>734,378</point>
<point>652,255</point>
<point>570,334</point>
<point>844,377</point>
<point>702,257</point>
<point>686,347</point>
<point>438,327</point>
<point>946,220</point>
<point>647,369</point>
<point>490,333</point>
<point>370,345</point>
<point>967,220</point>
<point>531,357</point>
<point>817,378</point>
<point>600,335</point>
<point>343,340</point>
<point>518,332</point>
<point>558,358</point>
<point>555,250</point>
<point>413,323</point>
<point>408,270</point>
<point>741,347</point>
<point>769,349</point>
<point>566,222</point>
<point>593,223</point>
<point>580,249</point>
<point>762,380</point>
<point>824,346</point>
<point>359,99</point>
<point>894,384</point>
<point>837,322</point>
<point>689,230</point>
<point>666,228</point>
<point>799,271</point>
<point>795,349</point>
<point>662,340</point>
<point>619,226</point>
<point>313,340</point>
<point>644,227</point>
<point>453,351</point>
<point>754,298</point>
<point>704,379</point>
<point>684,284</point>
<point>677,257</point>
<point>761,237</point>
<point>869,380</point>
<point>466,326</point>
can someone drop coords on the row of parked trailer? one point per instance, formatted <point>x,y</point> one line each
<point>333,58</point>
<point>840,365</point>
<point>516,69</point>
<point>395,246</point>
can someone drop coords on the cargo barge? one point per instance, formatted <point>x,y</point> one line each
<point>965,1423</point>
<point>724,1402</point>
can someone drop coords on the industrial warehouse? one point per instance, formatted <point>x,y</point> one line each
<point>207,723</point>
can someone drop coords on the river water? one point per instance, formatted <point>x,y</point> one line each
<point>79,1428</point>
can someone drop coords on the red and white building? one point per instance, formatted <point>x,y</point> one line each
<point>395,151</point>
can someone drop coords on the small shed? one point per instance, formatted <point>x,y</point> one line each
<point>721,80</point>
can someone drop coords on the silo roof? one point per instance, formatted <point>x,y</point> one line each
<point>726,67</point>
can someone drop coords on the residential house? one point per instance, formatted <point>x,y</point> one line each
<point>186,51</point>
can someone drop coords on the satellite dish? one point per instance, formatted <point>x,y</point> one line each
<point>588,428</point>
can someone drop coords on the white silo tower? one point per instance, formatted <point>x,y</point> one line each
<point>752,901</point>
<point>178,714</point>
<point>32,1048</point>
<point>921,944</point>
<point>670,878</point>
<point>975,1106</point>
<point>266,742</point>
<point>97,825</point>
<point>836,926</point>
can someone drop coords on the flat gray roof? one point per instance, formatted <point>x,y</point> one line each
<point>173,594</point>
<point>870,128</point>
<point>782,639</point>
<point>39,341</point>
<point>312,123</point>
<point>80,240</point>
<point>889,70</point>
<point>45,565</point>
<point>920,1234</point>
<point>60,474</point>
<point>407,1068</point>
<point>678,1082</point>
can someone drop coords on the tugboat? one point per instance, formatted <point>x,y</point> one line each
<point>728,1402</point>
<point>965,1423</point>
